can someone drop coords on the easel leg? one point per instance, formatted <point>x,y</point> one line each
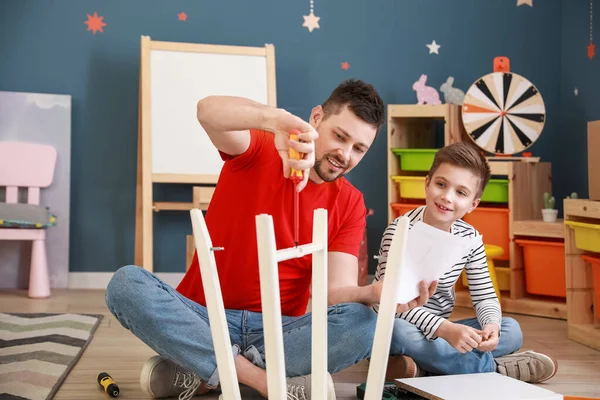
<point>138,259</point>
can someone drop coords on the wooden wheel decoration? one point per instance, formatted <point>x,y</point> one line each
<point>503,113</point>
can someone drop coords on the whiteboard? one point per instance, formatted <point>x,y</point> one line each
<point>178,80</point>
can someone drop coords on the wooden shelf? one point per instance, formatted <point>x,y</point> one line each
<point>540,307</point>
<point>418,126</point>
<point>538,228</point>
<point>177,206</point>
<point>440,111</point>
<point>584,326</point>
<point>171,206</point>
<point>588,335</point>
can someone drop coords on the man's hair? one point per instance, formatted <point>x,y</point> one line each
<point>464,155</point>
<point>360,97</point>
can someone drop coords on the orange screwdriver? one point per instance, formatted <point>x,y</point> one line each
<point>296,176</point>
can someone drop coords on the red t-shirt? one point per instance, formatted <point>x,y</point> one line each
<point>253,183</point>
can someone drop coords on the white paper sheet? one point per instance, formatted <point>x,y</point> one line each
<point>431,253</point>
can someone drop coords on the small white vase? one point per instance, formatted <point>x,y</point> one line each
<point>549,215</point>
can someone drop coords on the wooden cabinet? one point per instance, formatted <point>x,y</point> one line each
<point>582,313</point>
<point>432,127</point>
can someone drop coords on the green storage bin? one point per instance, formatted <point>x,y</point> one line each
<point>496,191</point>
<point>415,159</point>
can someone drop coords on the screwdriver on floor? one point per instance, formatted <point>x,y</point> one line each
<point>296,177</point>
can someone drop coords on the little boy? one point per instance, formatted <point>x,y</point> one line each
<point>424,340</point>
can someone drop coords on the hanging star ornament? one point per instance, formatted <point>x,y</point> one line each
<point>182,16</point>
<point>433,47</point>
<point>94,23</point>
<point>591,50</point>
<point>345,65</point>
<point>311,21</point>
<point>525,3</point>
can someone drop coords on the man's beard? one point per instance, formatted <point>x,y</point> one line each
<point>324,171</point>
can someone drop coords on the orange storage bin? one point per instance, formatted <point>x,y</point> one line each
<point>595,262</point>
<point>492,223</point>
<point>402,208</point>
<point>544,263</point>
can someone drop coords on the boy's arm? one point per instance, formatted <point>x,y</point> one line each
<point>483,295</point>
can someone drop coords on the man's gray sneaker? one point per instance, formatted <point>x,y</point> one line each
<point>299,388</point>
<point>163,378</point>
<point>527,366</point>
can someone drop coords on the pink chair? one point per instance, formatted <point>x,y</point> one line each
<point>32,166</point>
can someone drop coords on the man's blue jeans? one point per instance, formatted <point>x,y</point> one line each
<point>438,357</point>
<point>178,328</point>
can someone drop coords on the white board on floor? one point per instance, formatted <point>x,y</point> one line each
<point>488,386</point>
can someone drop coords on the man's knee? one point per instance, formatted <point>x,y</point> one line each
<point>122,285</point>
<point>362,321</point>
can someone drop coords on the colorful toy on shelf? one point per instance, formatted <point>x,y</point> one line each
<point>426,94</point>
<point>503,113</point>
<point>549,213</point>
<point>452,95</point>
<point>501,64</point>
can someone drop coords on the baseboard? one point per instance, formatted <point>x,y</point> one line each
<point>99,280</point>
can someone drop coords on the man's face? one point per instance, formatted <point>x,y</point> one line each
<point>343,141</point>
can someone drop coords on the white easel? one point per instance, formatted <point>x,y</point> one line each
<point>269,258</point>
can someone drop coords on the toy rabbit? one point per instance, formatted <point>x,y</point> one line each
<point>452,95</point>
<point>426,94</point>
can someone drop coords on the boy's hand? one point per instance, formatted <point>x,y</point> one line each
<point>490,338</point>
<point>463,338</point>
<point>282,124</point>
<point>424,295</point>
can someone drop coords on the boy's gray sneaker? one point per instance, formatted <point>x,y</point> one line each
<point>527,366</point>
<point>162,378</point>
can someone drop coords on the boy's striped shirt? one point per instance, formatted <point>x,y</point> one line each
<point>430,316</point>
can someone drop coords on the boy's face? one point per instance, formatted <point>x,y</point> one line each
<point>450,194</point>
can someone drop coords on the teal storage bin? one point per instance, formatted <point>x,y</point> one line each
<point>496,191</point>
<point>415,159</point>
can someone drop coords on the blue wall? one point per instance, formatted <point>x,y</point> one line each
<point>577,71</point>
<point>46,48</point>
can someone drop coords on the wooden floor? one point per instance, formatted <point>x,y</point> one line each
<point>116,351</point>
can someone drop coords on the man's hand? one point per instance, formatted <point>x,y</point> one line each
<point>282,124</point>
<point>462,337</point>
<point>424,295</point>
<point>490,338</point>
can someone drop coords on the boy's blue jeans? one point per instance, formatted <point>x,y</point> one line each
<point>178,328</point>
<point>438,357</point>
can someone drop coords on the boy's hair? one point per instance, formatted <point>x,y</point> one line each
<point>464,155</point>
<point>360,97</point>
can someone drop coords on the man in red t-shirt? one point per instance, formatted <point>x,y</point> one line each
<point>254,142</point>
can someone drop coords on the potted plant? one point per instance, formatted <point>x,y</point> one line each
<point>549,213</point>
<point>572,196</point>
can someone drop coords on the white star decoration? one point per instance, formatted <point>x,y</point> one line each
<point>433,47</point>
<point>525,2</point>
<point>311,21</point>
<point>576,91</point>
